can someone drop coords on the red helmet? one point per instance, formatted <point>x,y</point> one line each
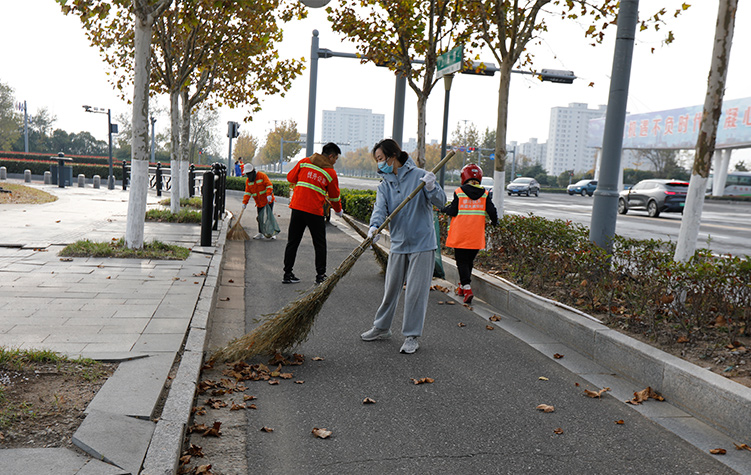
<point>471,171</point>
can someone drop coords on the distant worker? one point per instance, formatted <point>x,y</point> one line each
<point>239,167</point>
<point>466,234</point>
<point>259,187</point>
<point>314,181</point>
<point>413,241</point>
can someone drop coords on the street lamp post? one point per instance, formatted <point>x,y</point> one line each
<point>111,129</point>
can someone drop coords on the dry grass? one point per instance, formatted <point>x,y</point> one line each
<point>20,194</point>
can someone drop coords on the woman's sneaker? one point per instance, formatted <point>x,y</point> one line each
<point>410,345</point>
<point>376,334</point>
<point>468,296</point>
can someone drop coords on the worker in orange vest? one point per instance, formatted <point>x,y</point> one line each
<point>259,187</point>
<point>466,235</point>
<point>314,181</point>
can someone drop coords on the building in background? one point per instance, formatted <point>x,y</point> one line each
<point>567,139</point>
<point>534,151</point>
<point>352,128</point>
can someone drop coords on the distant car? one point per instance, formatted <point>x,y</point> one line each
<point>582,187</point>
<point>654,195</point>
<point>523,186</point>
<point>487,183</point>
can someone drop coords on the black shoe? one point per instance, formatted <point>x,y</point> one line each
<point>289,278</point>
<point>320,278</point>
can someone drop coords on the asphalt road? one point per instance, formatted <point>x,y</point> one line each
<point>725,227</point>
<point>479,416</point>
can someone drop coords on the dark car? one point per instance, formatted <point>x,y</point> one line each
<point>654,195</point>
<point>523,186</point>
<point>582,187</point>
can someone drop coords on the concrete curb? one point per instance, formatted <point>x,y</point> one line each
<point>716,401</point>
<point>163,454</point>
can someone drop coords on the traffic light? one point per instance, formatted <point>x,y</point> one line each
<point>233,130</point>
<point>557,75</point>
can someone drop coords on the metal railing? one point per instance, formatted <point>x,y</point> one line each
<point>160,179</point>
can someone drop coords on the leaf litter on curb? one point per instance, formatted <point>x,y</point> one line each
<point>643,395</point>
<point>595,394</point>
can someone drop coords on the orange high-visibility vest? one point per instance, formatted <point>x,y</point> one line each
<point>261,190</point>
<point>315,180</point>
<point>467,228</point>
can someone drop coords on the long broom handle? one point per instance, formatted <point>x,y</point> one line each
<point>414,192</point>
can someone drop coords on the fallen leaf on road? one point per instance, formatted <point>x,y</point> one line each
<point>57,221</point>
<point>231,281</point>
<point>214,431</point>
<point>368,400</point>
<point>467,305</point>
<point>422,380</point>
<point>266,429</point>
<point>595,393</point>
<point>741,447</point>
<point>450,302</point>
<point>248,398</point>
<point>321,433</point>
<point>299,381</point>
<point>195,450</point>
<point>237,407</point>
<point>440,288</point>
<point>489,327</point>
<point>204,470</point>
<point>543,378</point>
<point>199,411</point>
<point>274,382</point>
<point>495,318</point>
<point>460,324</point>
<point>66,259</point>
<point>643,395</point>
<point>317,358</point>
<point>620,422</point>
<point>718,451</point>
<point>558,431</point>
<point>557,356</point>
<point>215,403</point>
<point>441,302</point>
<point>185,459</point>
<point>546,408</point>
<point>198,428</point>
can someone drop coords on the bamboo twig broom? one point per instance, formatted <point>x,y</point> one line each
<point>381,256</point>
<point>292,324</point>
<point>236,232</point>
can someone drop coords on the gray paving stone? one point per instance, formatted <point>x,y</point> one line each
<point>572,360</point>
<point>167,325</point>
<point>135,387</point>
<point>163,342</point>
<point>53,461</point>
<point>115,439</point>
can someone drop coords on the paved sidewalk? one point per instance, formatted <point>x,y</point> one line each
<point>136,312</point>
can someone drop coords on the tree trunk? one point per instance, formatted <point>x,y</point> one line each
<point>499,172</point>
<point>705,143</point>
<point>184,143</point>
<point>139,182</point>
<point>419,158</point>
<point>175,151</point>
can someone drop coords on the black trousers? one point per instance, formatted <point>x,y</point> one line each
<point>299,220</point>
<point>465,259</point>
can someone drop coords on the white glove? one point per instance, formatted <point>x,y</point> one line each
<point>429,179</point>
<point>339,213</point>
<point>372,234</point>
<point>245,206</point>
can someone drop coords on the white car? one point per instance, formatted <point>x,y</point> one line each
<point>487,183</point>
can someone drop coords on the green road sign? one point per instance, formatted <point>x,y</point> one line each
<point>450,62</point>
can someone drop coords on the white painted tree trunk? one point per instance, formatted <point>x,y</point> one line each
<point>499,191</point>
<point>705,143</point>
<point>184,143</point>
<point>174,151</point>
<point>139,184</point>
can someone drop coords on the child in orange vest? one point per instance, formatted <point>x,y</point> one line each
<point>466,233</point>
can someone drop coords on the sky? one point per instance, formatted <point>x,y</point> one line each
<point>46,58</point>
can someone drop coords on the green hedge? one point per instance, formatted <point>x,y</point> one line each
<point>638,286</point>
<point>38,167</point>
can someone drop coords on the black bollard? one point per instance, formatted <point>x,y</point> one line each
<point>125,175</point>
<point>207,208</point>
<point>192,181</point>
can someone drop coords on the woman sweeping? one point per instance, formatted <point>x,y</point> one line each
<point>467,229</point>
<point>413,241</point>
